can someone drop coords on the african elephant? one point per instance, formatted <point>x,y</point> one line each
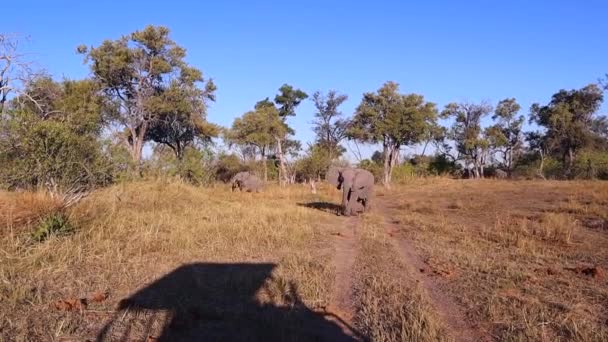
<point>500,174</point>
<point>246,181</point>
<point>357,186</point>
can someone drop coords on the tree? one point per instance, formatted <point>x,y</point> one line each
<point>15,71</point>
<point>136,72</point>
<point>393,119</point>
<point>285,104</point>
<point>506,135</point>
<point>328,126</point>
<point>180,118</point>
<point>568,122</point>
<point>314,164</point>
<point>258,128</point>
<point>54,143</point>
<point>466,131</point>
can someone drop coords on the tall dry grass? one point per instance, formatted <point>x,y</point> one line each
<point>517,249</point>
<point>391,306</point>
<point>130,234</point>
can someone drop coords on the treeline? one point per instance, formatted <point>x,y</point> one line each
<point>73,135</point>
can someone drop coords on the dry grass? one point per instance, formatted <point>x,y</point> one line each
<point>527,255</point>
<point>18,209</point>
<point>133,234</point>
<point>391,306</point>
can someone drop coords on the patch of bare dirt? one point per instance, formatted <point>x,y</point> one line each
<point>341,309</point>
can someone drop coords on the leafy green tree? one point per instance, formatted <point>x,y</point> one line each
<point>568,121</point>
<point>285,104</point>
<point>466,131</point>
<point>180,113</point>
<point>315,163</point>
<point>328,126</point>
<point>136,72</point>
<point>259,128</point>
<point>506,135</point>
<point>393,119</point>
<point>50,138</point>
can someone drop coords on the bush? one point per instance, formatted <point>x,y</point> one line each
<point>196,167</point>
<point>50,154</point>
<point>228,165</point>
<point>591,165</point>
<point>54,224</point>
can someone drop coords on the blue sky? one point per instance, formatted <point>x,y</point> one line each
<point>446,50</point>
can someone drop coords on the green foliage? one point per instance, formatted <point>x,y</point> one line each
<point>568,122</point>
<point>373,167</point>
<point>180,118</point>
<point>159,96</point>
<point>288,99</point>
<point>591,164</point>
<point>195,167</point>
<point>506,135</point>
<point>328,126</point>
<point>55,224</point>
<point>466,132</point>
<point>53,142</point>
<point>228,165</point>
<point>394,120</point>
<point>314,165</point>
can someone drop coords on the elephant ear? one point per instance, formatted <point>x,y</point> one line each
<point>332,175</point>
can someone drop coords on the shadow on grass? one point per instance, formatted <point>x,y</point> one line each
<point>219,302</point>
<point>323,206</point>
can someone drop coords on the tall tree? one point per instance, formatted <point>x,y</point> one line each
<point>393,119</point>
<point>54,142</point>
<point>135,71</point>
<point>466,131</point>
<point>285,103</point>
<point>15,71</point>
<point>180,113</point>
<point>506,134</point>
<point>258,128</point>
<point>328,126</point>
<point>568,121</point>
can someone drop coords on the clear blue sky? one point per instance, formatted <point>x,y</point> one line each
<point>446,50</point>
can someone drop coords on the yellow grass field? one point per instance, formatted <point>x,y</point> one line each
<point>436,260</point>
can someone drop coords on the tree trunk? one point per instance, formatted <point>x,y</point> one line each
<point>570,163</point>
<point>509,163</point>
<point>387,167</point>
<point>283,176</point>
<point>541,172</point>
<point>265,164</point>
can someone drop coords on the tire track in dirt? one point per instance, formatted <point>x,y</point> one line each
<point>341,308</point>
<point>451,313</point>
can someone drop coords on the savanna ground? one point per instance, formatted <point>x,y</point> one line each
<point>436,260</point>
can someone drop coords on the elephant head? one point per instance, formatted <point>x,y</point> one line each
<point>356,185</point>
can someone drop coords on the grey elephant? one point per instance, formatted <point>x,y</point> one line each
<point>357,186</point>
<point>246,181</point>
<point>500,174</point>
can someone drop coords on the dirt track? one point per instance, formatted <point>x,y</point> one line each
<point>341,310</point>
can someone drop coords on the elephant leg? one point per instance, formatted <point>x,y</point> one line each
<point>353,202</point>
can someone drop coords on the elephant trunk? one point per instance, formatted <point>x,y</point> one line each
<point>346,188</point>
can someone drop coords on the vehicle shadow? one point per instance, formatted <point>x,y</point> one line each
<point>221,302</point>
<point>323,206</point>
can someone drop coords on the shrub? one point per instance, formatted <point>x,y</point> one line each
<point>54,224</point>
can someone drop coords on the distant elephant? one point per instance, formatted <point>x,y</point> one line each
<point>500,174</point>
<point>357,186</point>
<point>246,181</point>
